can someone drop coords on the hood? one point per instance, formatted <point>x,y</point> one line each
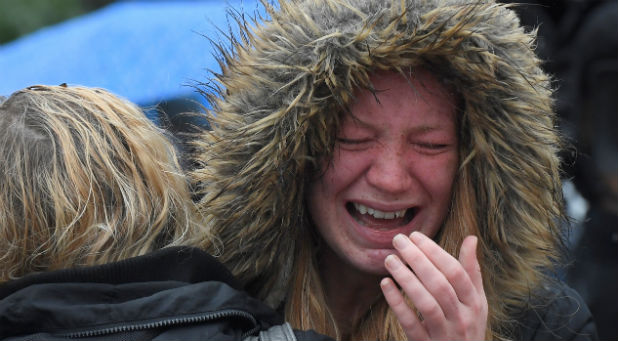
<point>286,80</point>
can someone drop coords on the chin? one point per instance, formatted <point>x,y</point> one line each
<point>374,263</point>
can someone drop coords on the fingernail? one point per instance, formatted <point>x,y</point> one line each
<point>387,284</point>
<point>416,236</point>
<point>399,241</point>
<point>391,262</point>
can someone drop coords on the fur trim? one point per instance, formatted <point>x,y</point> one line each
<point>286,82</point>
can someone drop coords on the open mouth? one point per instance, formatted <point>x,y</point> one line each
<point>374,218</point>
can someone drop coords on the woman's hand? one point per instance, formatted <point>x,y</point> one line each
<point>446,292</point>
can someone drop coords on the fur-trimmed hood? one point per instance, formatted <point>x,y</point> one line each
<point>283,88</point>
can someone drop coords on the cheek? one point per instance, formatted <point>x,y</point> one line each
<point>439,175</point>
<point>343,171</point>
<point>321,194</point>
<point>345,168</point>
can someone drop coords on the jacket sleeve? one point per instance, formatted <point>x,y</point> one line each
<point>560,315</point>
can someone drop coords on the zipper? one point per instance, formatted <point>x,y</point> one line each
<point>205,317</point>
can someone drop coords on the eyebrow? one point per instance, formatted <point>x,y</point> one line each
<point>427,128</point>
<point>359,121</point>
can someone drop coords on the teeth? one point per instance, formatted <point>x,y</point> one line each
<point>379,214</point>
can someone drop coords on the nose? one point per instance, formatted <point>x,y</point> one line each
<point>390,171</point>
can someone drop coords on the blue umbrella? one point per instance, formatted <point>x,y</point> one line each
<point>147,52</point>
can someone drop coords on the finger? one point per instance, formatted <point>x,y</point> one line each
<point>430,276</point>
<point>453,271</point>
<point>424,301</point>
<point>405,315</point>
<point>469,261</point>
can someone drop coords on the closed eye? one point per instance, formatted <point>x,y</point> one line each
<point>432,148</point>
<point>354,144</point>
<point>351,141</point>
<point>433,145</point>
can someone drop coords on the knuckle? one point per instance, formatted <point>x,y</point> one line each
<point>432,311</point>
<point>442,287</point>
<point>399,303</point>
<point>455,274</point>
<point>408,324</point>
<point>463,325</point>
<point>479,306</point>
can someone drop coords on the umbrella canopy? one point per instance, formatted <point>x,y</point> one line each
<point>147,52</point>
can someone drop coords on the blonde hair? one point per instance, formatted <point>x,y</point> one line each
<point>86,178</point>
<point>306,306</point>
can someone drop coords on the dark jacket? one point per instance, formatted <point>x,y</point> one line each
<point>184,293</point>
<point>172,294</point>
<point>557,312</point>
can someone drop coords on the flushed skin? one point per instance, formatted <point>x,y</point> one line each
<point>396,153</point>
<point>285,88</point>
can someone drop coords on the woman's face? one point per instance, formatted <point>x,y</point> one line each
<point>392,170</point>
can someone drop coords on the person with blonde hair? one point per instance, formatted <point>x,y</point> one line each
<point>388,169</point>
<point>96,228</point>
<point>86,178</point>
